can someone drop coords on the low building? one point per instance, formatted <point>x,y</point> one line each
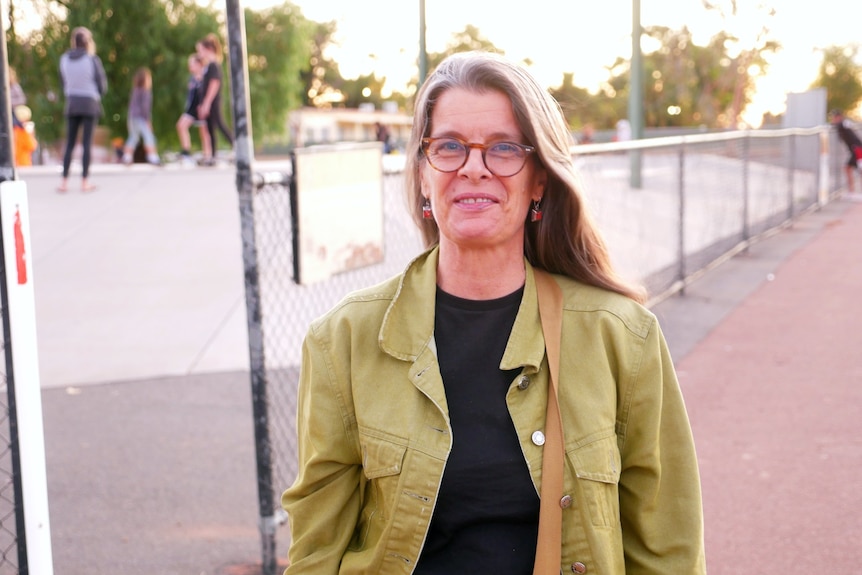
<point>310,126</point>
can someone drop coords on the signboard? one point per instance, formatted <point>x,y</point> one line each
<point>338,209</point>
<point>15,212</point>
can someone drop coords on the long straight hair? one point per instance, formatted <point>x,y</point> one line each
<point>565,241</point>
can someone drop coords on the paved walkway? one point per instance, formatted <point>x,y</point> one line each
<point>775,399</point>
<point>157,474</point>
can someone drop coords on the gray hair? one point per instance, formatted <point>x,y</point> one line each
<point>565,241</point>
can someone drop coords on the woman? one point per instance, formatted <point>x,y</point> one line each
<point>209,49</point>
<point>422,400</point>
<point>140,118</point>
<point>84,84</point>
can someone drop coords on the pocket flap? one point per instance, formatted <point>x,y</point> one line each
<point>598,461</point>
<point>381,458</point>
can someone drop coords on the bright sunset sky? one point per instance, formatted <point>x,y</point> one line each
<point>576,36</point>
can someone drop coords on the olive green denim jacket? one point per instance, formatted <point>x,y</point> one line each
<point>374,432</point>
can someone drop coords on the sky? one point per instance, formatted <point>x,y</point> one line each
<point>560,36</point>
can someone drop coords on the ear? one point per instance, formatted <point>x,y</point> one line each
<point>540,183</point>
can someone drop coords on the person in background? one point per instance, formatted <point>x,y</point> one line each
<point>210,51</point>
<point>17,97</point>
<point>422,400</point>
<point>23,136</point>
<point>140,121</point>
<point>382,135</point>
<point>189,117</point>
<point>853,143</point>
<point>84,83</point>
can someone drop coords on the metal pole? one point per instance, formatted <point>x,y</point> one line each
<point>244,152</point>
<point>746,168</point>
<point>683,271</point>
<point>7,173</point>
<point>423,54</point>
<point>790,164</point>
<point>636,95</point>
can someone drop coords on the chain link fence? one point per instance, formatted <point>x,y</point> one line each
<point>697,199</point>
<point>12,547</point>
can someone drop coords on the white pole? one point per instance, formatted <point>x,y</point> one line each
<point>15,212</point>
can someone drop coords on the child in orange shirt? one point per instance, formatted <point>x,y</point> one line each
<point>22,136</point>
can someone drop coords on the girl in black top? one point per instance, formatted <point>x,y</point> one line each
<point>210,107</point>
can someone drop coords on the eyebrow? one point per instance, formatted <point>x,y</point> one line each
<point>493,137</point>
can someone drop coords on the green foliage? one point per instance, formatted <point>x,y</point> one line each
<point>279,48</point>
<point>581,108</point>
<point>840,74</point>
<point>469,39</point>
<point>687,84</point>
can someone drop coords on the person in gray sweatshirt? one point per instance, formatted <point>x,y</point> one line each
<point>84,83</point>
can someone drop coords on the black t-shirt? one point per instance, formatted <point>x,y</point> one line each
<point>487,514</point>
<point>847,135</point>
<point>213,72</point>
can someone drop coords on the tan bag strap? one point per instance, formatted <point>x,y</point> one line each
<point>548,549</point>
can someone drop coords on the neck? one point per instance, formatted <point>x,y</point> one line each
<point>479,274</point>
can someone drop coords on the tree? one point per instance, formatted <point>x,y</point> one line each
<point>689,84</point>
<point>470,38</point>
<point>581,107</point>
<point>840,74</point>
<point>279,47</point>
<point>322,75</point>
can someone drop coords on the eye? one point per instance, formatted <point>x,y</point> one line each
<point>505,149</point>
<point>448,147</point>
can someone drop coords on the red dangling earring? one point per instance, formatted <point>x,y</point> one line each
<point>426,210</point>
<point>536,211</point>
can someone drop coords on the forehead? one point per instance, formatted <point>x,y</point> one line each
<point>471,114</point>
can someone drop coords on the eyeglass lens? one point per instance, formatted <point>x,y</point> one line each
<point>501,158</point>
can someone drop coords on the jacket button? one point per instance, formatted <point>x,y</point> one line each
<point>579,567</point>
<point>538,438</point>
<point>566,501</point>
<point>523,383</point>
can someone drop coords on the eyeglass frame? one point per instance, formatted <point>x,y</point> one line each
<point>426,142</point>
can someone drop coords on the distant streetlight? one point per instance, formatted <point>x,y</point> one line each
<point>636,95</point>
<point>423,56</point>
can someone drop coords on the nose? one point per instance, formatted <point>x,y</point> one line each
<point>475,163</point>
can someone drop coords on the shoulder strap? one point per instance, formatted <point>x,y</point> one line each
<point>548,549</point>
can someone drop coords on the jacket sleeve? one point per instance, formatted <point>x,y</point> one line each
<point>323,503</point>
<point>660,496</point>
<point>101,77</point>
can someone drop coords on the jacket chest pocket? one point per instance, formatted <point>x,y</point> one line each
<point>597,468</point>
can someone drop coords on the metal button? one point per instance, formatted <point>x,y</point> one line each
<point>523,383</point>
<point>566,501</point>
<point>579,567</point>
<point>538,438</point>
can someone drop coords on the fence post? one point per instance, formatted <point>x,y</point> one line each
<point>746,162</point>
<point>244,151</point>
<point>7,173</point>
<point>681,242</point>
<point>823,169</point>
<point>791,158</point>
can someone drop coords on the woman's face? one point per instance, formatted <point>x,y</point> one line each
<point>473,207</point>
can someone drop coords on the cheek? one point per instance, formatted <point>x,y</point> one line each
<point>430,180</point>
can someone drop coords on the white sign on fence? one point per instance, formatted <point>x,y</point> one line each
<point>15,212</point>
<point>339,202</point>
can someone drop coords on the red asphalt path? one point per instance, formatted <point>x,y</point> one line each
<point>774,394</point>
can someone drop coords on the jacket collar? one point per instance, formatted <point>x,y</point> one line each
<point>408,326</point>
